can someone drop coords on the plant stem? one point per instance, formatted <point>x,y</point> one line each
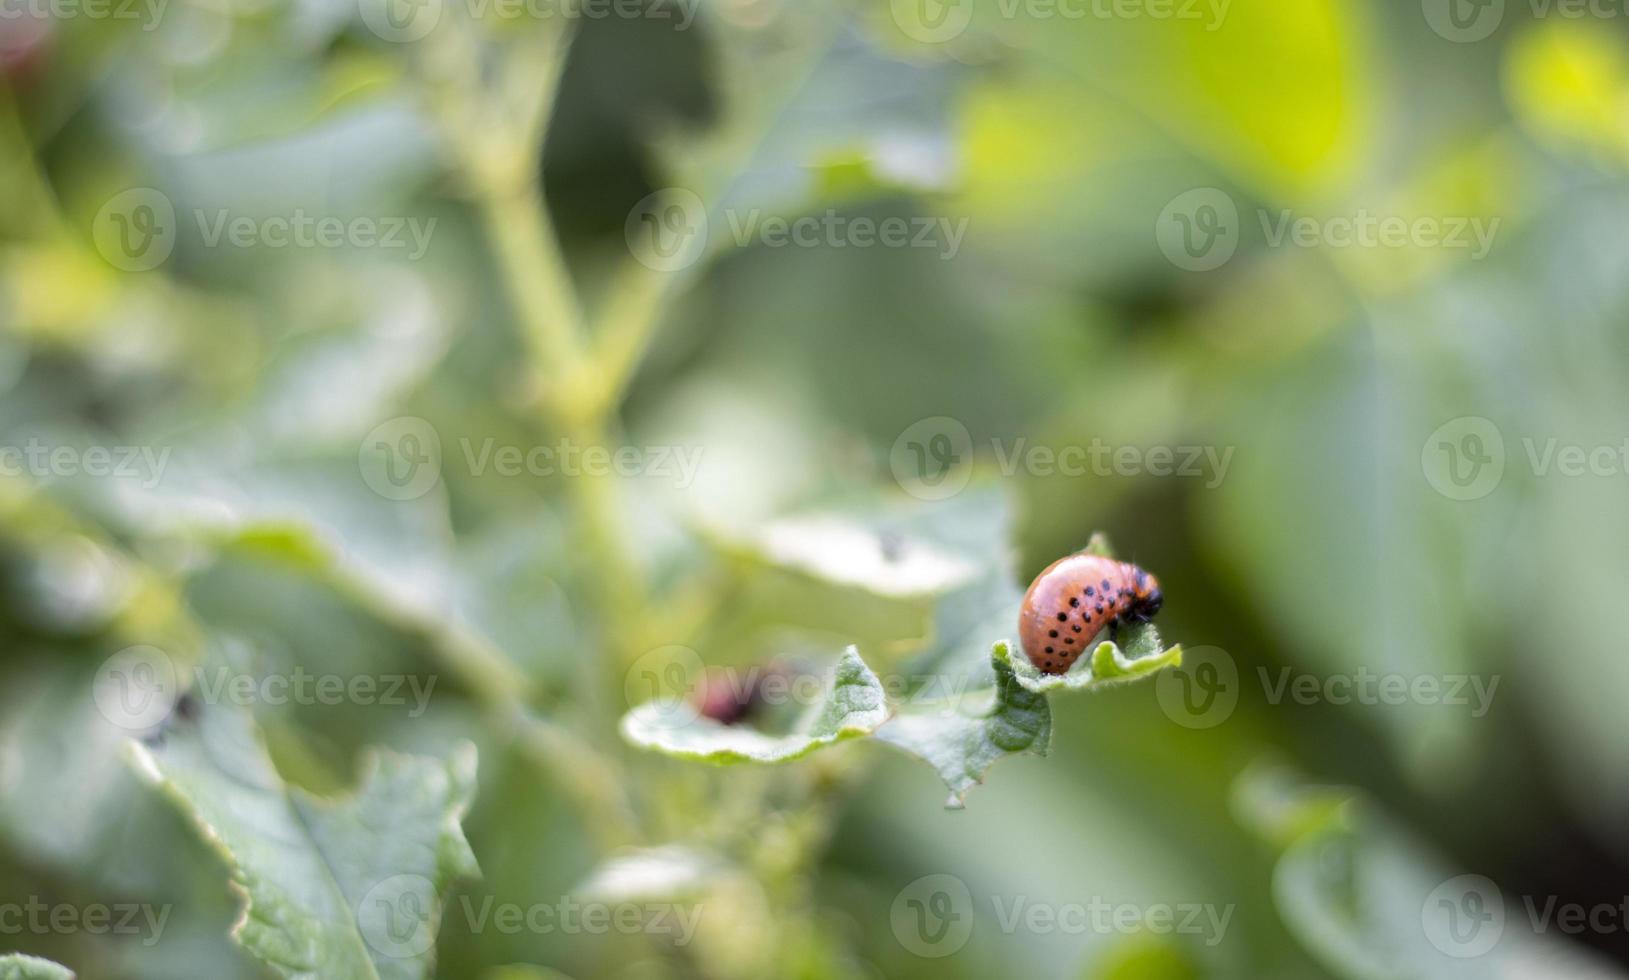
<point>498,152</point>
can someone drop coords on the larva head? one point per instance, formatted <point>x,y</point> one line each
<point>1146,595</point>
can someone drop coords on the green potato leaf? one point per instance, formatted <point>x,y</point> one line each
<point>1372,901</point>
<point>345,889</point>
<point>854,705</point>
<point>962,744</point>
<point>1107,663</point>
<point>19,967</point>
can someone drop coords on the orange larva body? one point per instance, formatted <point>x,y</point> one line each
<point>1074,599</point>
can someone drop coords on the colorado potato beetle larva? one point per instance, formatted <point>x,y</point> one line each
<point>1074,599</point>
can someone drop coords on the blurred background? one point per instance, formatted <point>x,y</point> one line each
<point>1316,310</point>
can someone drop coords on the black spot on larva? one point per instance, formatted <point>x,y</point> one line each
<point>1090,591</point>
<point>1062,617</point>
<point>1073,601</point>
<point>1052,633</point>
<point>1075,628</point>
<point>1048,649</point>
<point>1069,640</point>
<point>1100,610</point>
<point>1105,584</point>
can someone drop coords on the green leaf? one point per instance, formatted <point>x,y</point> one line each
<point>1372,902</point>
<point>1099,545</point>
<point>845,550</point>
<point>1106,664</point>
<point>854,705</point>
<point>20,967</point>
<point>339,889</point>
<point>977,524</point>
<point>961,745</point>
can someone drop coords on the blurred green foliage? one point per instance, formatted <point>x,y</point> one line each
<point>254,527</point>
